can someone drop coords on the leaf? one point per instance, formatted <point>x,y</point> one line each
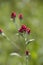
<point>15,54</point>
<point>17,34</point>
<point>31,40</point>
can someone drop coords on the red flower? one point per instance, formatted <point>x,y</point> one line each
<point>23,27</point>
<point>20,30</point>
<point>1,31</point>
<point>27,52</point>
<point>20,16</point>
<point>28,30</point>
<point>13,15</point>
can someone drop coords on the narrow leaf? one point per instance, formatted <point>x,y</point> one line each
<point>15,54</point>
<point>31,40</point>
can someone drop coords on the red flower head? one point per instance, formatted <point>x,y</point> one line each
<point>28,30</point>
<point>23,27</point>
<point>13,15</point>
<point>27,52</point>
<point>1,31</point>
<point>20,30</point>
<point>20,16</point>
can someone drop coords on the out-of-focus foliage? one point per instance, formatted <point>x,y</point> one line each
<point>33,17</point>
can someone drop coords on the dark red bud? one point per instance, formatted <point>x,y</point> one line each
<point>13,15</point>
<point>20,16</point>
<point>27,52</point>
<point>1,31</point>
<point>28,30</point>
<point>23,26</point>
<point>20,30</point>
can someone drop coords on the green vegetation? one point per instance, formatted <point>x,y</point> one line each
<point>32,11</point>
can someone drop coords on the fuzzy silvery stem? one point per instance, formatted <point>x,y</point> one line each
<point>26,60</point>
<point>13,43</point>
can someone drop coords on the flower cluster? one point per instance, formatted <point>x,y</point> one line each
<point>24,28</point>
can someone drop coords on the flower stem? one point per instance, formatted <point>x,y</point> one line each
<point>14,44</point>
<point>26,60</point>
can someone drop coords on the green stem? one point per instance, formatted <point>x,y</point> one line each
<point>26,60</point>
<point>6,61</point>
<point>14,44</point>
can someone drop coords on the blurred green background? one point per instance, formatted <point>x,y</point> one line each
<point>32,11</point>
